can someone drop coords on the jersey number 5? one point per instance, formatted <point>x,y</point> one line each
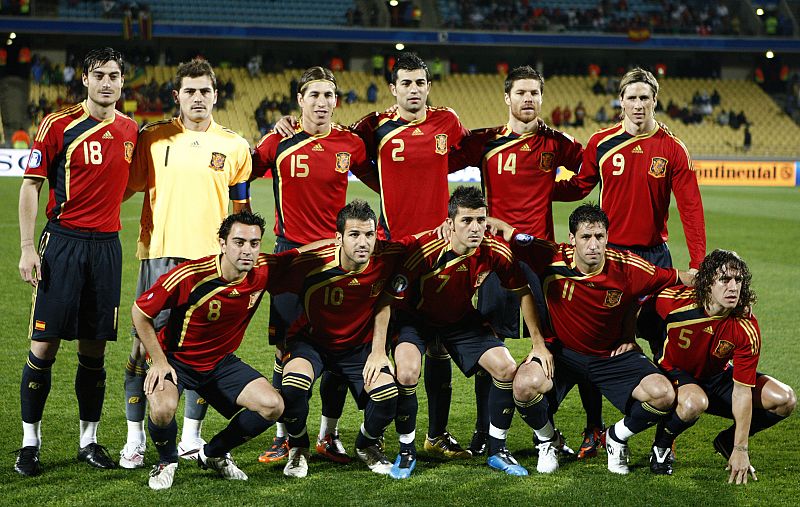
<point>92,153</point>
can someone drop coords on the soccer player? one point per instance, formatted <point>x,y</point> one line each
<point>411,144</point>
<point>708,326</point>
<point>518,163</point>
<point>83,152</point>
<point>436,282</point>
<point>189,168</point>
<point>309,179</point>
<point>212,301</point>
<point>640,164</point>
<point>339,286</point>
<point>589,291</point>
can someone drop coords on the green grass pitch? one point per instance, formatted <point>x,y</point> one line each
<point>763,225</point>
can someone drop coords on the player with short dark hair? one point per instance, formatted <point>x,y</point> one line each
<point>339,286</point>
<point>309,181</point>
<point>518,163</point>
<point>212,300</point>
<point>641,164</point>
<point>709,326</point>
<point>589,291</point>
<point>179,163</point>
<point>436,283</point>
<point>83,152</point>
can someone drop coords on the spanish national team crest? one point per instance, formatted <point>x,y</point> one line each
<point>481,278</point>
<point>441,144</point>
<point>546,161</point>
<point>724,349</point>
<point>254,299</point>
<point>658,168</point>
<point>613,298</point>
<point>217,161</point>
<point>342,162</point>
<point>376,288</point>
<point>128,151</point>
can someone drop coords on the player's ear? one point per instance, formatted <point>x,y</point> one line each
<point>215,96</point>
<point>222,245</point>
<point>85,79</point>
<point>507,99</point>
<point>175,96</point>
<point>571,239</point>
<point>393,89</point>
<point>338,238</point>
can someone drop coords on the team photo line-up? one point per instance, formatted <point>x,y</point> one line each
<point>350,288</point>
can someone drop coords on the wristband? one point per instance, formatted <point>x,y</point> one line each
<point>740,448</point>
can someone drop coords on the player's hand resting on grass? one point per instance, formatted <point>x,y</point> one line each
<point>739,465</point>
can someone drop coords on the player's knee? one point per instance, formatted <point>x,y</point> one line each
<point>407,372</point>
<point>505,370</point>
<point>270,405</point>
<point>530,381</point>
<point>162,409</point>
<point>660,391</point>
<point>692,406</point>
<point>785,401</point>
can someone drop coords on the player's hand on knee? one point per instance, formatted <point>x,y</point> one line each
<point>30,266</point>
<point>286,125</point>
<point>156,377</point>
<point>372,368</point>
<point>545,358</point>
<point>625,347</point>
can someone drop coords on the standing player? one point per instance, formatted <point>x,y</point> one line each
<point>339,286</point>
<point>411,145</point>
<point>180,164</point>
<point>437,281</point>
<point>708,326</point>
<point>518,165</point>
<point>309,179</point>
<point>589,292</point>
<point>212,301</point>
<point>638,165</point>
<point>84,152</point>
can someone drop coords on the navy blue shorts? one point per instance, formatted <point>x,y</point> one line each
<point>465,341</point>
<point>501,307</point>
<point>718,388</point>
<point>220,386</point>
<point>284,308</point>
<point>649,325</point>
<point>78,296</point>
<point>616,377</point>
<point>347,364</point>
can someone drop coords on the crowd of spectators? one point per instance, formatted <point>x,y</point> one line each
<point>638,19</point>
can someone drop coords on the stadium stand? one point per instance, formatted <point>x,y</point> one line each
<point>478,99</point>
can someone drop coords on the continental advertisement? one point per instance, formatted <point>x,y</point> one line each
<point>746,173</point>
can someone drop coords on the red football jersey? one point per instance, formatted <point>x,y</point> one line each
<point>702,345</point>
<point>587,309</point>
<point>309,179</point>
<point>438,284</point>
<point>338,305</point>
<point>85,161</point>
<point>412,160</point>
<point>637,175</point>
<point>518,172</point>
<point>209,314</point>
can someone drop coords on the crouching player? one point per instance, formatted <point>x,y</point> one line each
<point>589,291</point>
<point>338,287</point>
<point>212,301</point>
<point>707,327</point>
<point>437,281</point>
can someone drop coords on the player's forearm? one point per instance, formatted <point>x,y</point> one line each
<point>28,208</point>
<point>742,408</point>
<point>531,317</point>
<point>147,334</point>
<point>382,314</point>
<point>239,206</point>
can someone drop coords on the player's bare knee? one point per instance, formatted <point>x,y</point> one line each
<point>45,350</point>
<point>407,375</point>
<point>692,406</point>
<point>660,391</point>
<point>530,381</point>
<point>786,401</point>
<point>92,348</point>
<point>270,406</point>
<point>162,408</point>
<point>505,371</point>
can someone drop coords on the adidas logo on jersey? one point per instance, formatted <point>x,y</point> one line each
<point>234,293</point>
<point>317,147</point>
<point>353,282</point>
<point>108,135</point>
<point>637,149</point>
<point>709,330</point>
<point>417,132</point>
<point>462,268</point>
<point>525,147</point>
<point>195,144</point>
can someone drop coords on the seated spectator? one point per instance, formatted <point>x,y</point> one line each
<point>351,96</point>
<point>597,88</point>
<point>580,115</point>
<point>372,93</point>
<point>566,116</point>
<point>722,119</point>
<point>601,116</point>
<point>555,117</point>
